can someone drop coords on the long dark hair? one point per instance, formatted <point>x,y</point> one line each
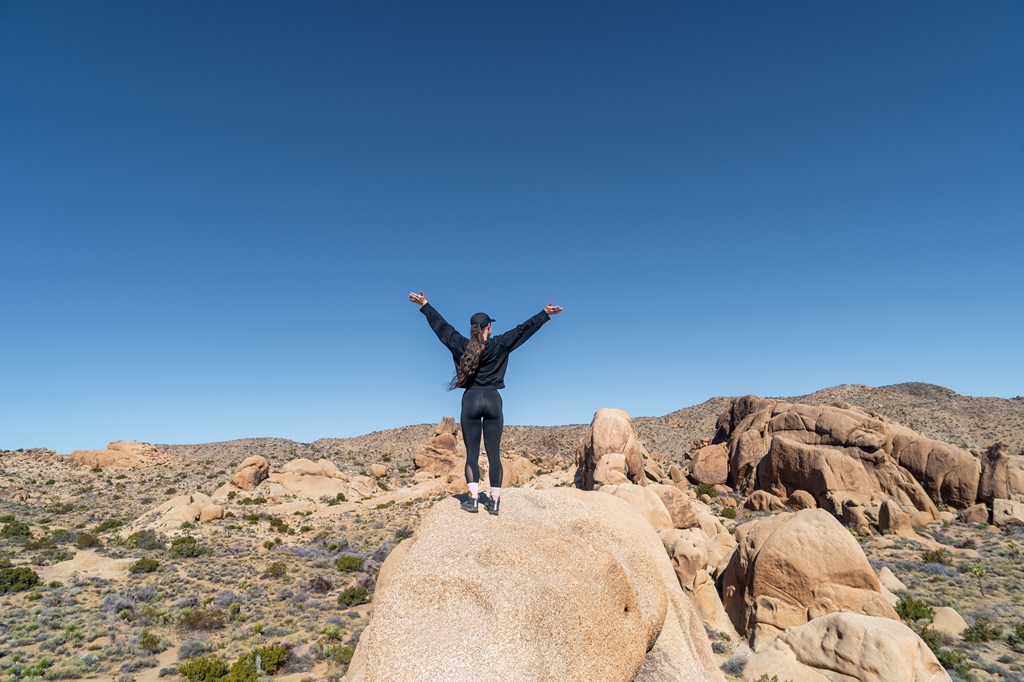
<point>470,360</point>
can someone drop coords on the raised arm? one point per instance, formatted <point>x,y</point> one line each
<point>514,338</point>
<point>452,339</point>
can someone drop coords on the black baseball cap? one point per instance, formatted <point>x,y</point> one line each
<point>482,319</point>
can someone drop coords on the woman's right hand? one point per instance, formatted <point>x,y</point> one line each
<point>552,309</point>
<point>418,299</point>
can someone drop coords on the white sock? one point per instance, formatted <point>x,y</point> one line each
<point>474,489</point>
<point>495,493</point>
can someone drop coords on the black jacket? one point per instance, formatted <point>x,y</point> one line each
<point>494,361</point>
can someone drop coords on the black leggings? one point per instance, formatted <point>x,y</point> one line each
<point>481,410</point>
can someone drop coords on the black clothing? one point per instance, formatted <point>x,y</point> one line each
<point>481,409</point>
<point>494,361</point>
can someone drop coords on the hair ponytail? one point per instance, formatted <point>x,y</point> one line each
<point>470,360</point>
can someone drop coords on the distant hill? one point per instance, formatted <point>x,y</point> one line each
<point>933,410</point>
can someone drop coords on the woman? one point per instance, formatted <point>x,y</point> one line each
<point>480,363</point>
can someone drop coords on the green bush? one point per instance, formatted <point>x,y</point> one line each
<point>145,539</point>
<point>151,643</point>
<point>108,525</point>
<point>341,655</point>
<point>706,489</point>
<point>86,540</point>
<point>16,530</point>
<point>728,513</point>
<point>911,610</point>
<point>272,658</point>
<point>1016,637</point>
<point>936,556</point>
<point>202,619</point>
<point>144,565</point>
<point>350,564</point>
<point>982,630</point>
<point>186,547</point>
<point>353,596</point>
<point>17,579</point>
<point>203,669</point>
<point>950,659</point>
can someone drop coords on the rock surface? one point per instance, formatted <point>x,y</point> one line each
<point>123,454</point>
<point>840,453</point>
<point>791,568</point>
<point>250,473</point>
<point>564,585</point>
<point>611,431</point>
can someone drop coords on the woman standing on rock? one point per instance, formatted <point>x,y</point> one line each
<point>480,363</point>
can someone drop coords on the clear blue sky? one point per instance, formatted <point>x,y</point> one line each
<point>211,214</point>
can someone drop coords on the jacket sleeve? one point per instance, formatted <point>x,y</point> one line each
<point>452,339</point>
<point>514,338</point>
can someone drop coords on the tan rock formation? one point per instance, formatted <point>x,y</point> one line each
<point>761,500</point>
<point>1007,513</point>
<point>611,470</point>
<point>839,453</point>
<point>250,473</point>
<point>892,519</point>
<point>974,514</point>
<point>578,588</point>
<point>710,465</point>
<point>378,470</point>
<point>444,455</point>
<point>849,646</point>
<point>122,454</point>
<point>645,501</point>
<point>171,514</point>
<point>801,499</point>
<point>679,505</point>
<point>790,568</point>
<point>610,431</point>
<point>948,621</point>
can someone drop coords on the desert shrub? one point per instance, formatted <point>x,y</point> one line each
<point>936,556</point>
<point>735,665</point>
<point>145,539</point>
<point>253,500</point>
<point>1016,636</point>
<point>320,584</point>
<point>982,630</point>
<point>187,547</point>
<point>116,603</point>
<point>227,598</point>
<point>86,540</point>
<point>203,669</point>
<point>338,654</point>
<point>950,659</point>
<point>108,525</point>
<point>152,643</point>
<point>277,569</point>
<point>910,610</point>
<point>7,518</point>
<point>16,530</point>
<point>353,596</point>
<point>203,619</point>
<point>144,565</point>
<point>193,647</point>
<point>706,489</point>
<point>350,564</point>
<point>337,499</point>
<point>17,579</point>
<point>403,533</point>
<point>272,658</point>
<point>280,526</point>
<point>728,513</point>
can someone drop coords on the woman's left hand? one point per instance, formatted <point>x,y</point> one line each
<point>418,299</point>
<point>552,309</point>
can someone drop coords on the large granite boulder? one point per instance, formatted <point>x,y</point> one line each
<point>611,431</point>
<point>840,453</point>
<point>791,568</point>
<point>250,473</point>
<point>564,585</point>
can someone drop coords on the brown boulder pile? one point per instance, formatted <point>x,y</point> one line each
<point>791,568</point>
<point>843,455</point>
<point>122,454</point>
<point>250,473</point>
<point>568,585</point>
<point>169,516</point>
<point>442,455</point>
<point>610,432</point>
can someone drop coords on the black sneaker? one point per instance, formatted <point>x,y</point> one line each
<point>491,505</point>
<point>472,504</point>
